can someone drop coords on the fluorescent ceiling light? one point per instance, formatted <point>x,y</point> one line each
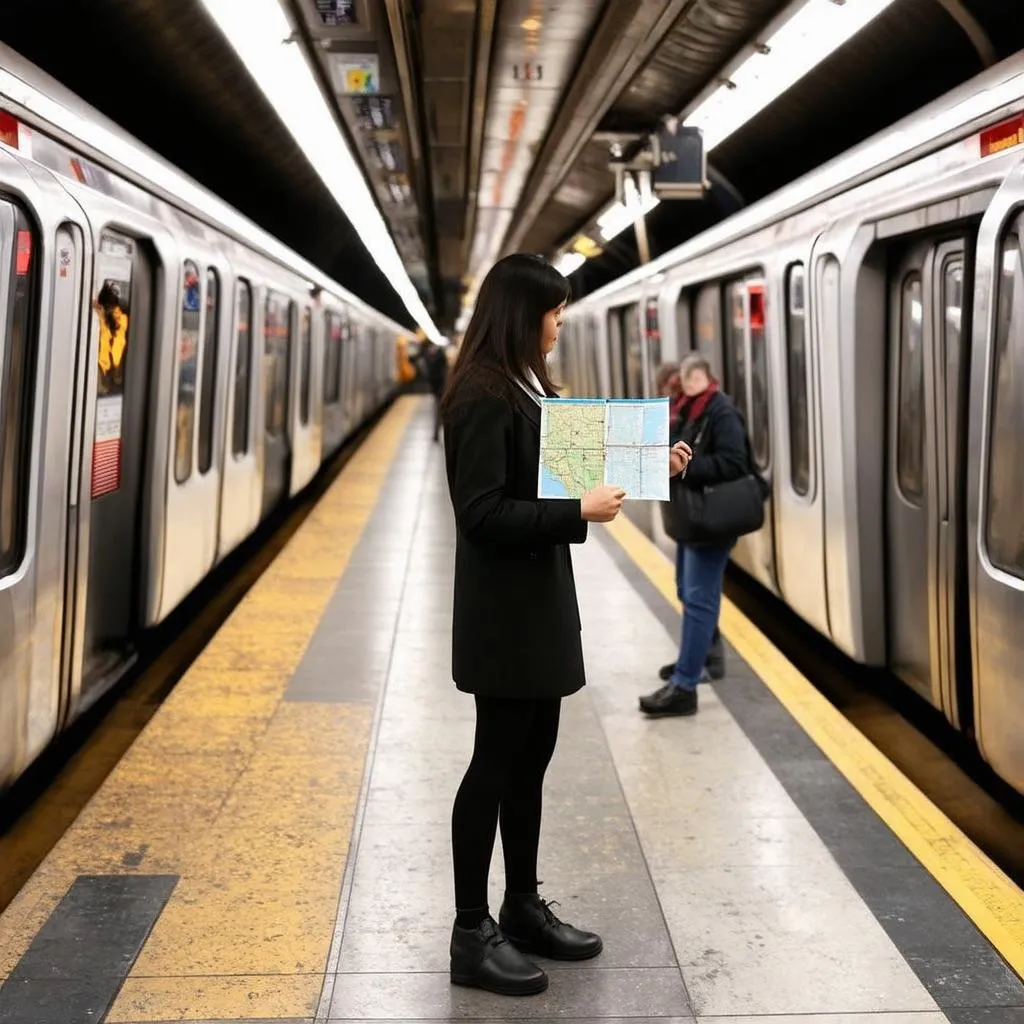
<point>258,30</point>
<point>570,262</point>
<point>619,216</point>
<point>811,34</point>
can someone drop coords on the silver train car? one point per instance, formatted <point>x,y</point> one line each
<point>169,374</point>
<point>869,322</point>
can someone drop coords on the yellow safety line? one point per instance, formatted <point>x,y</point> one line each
<point>247,797</point>
<point>984,892</point>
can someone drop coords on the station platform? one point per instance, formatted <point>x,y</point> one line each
<point>275,846</point>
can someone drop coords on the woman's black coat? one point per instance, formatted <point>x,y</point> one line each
<point>721,454</point>
<point>516,627</point>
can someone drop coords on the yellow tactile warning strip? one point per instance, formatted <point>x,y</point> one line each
<point>990,898</point>
<point>247,798</point>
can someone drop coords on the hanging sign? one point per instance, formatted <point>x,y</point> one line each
<point>337,12</point>
<point>106,448</point>
<point>358,74</point>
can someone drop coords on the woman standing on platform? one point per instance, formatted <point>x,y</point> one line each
<point>516,628</point>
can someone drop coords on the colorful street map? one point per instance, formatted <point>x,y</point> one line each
<point>587,442</point>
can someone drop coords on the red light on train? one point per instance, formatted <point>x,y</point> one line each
<point>24,252</point>
<point>8,129</point>
<point>756,292</point>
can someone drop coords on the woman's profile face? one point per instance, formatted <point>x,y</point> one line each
<point>551,325</point>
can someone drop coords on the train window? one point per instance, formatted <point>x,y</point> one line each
<point>1005,524</point>
<point>632,351</point>
<point>684,324</point>
<point>760,435</point>
<point>243,367</point>
<point>305,367</point>
<point>17,359</point>
<point>736,377</point>
<point>188,355</point>
<point>796,366</point>
<point>708,324</point>
<point>209,385</point>
<point>653,336</point>
<point>332,357</point>
<point>910,435</point>
<point>276,361</point>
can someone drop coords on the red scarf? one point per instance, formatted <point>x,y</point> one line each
<point>691,409</point>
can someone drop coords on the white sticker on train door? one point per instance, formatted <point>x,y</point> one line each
<point>106,449</point>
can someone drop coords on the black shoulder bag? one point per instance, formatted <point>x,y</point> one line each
<point>719,513</point>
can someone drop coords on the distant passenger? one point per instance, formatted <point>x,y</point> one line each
<point>516,630</point>
<point>435,368</point>
<point>670,386</point>
<point>113,339</point>
<point>713,427</point>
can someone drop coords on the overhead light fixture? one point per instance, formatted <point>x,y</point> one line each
<point>569,262</point>
<point>810,34</point>
<point>620,216</point>
<point>259,32</point>
<point>531,24</point>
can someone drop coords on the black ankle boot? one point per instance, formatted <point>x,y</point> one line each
<point>483,958</point>
<point>529,923</point>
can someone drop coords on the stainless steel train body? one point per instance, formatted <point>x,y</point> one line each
<point>869,322</point>
<point>169,374</point>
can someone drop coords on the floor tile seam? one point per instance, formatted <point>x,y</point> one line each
<point>622,547</point>
<point>595,712</point>
<point>359,816</point>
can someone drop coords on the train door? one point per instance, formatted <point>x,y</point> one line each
<point>928,356</point>
<point>746,362</point>
<point>122,304</point>
<point>277,361</point>
<point>997,464</point>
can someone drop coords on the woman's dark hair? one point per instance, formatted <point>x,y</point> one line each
<point>504,333</point>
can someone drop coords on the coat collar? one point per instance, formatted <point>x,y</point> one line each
<point>527,406</point>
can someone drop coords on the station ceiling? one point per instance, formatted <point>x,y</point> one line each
<point>491,124</point>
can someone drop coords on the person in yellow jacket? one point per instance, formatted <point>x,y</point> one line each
<point>113,339</point>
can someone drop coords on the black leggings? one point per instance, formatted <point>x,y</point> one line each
<point>514,743</point>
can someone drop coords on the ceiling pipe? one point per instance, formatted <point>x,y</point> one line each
<point>972,27</point>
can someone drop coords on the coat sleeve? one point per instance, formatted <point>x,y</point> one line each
<point>479,442</point>
<point>727,459</point>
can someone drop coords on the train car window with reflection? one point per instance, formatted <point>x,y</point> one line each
<point>332,357</point>
<point>188,359</point>
<point>1005,519</point>
<point>796,365</point>
<point>305,365</point>
<point>208,387</point>
<point>17,362</point>
<point>243,368</point>
<point>276,361</point>
<point>910,439</point>
<point>760,429</point>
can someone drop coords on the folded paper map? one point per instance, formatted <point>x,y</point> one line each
<point>588,442</point>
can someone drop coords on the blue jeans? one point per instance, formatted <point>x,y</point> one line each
<point>700,572</point>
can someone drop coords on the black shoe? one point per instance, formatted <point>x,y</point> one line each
<point>483,958</point>
<point>665,672</point>
<point>669,700</point>
<point>529,922</point>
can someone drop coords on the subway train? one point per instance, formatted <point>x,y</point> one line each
<point>868,320</point>
<point>169,375</point>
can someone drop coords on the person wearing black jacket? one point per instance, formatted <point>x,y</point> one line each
<point>516,642</point>
<point>713,427</point>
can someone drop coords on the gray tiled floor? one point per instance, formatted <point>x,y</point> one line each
<point>674,838</point>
